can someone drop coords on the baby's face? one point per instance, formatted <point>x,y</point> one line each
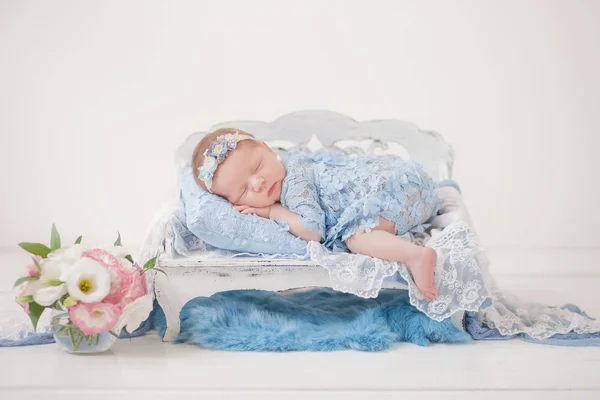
<point>251,175</point>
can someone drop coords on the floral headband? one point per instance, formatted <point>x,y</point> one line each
<point>216,153</point>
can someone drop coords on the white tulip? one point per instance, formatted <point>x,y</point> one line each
<point>46,296</point>
<point>45,293</point>
<point>66,257</point>
<point>66,254</point>
<point>136,312</point>
<point>88,281</point>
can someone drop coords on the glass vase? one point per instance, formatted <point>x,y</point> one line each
<point>71,339</point>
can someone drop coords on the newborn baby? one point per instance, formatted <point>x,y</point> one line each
<point>358,204</point>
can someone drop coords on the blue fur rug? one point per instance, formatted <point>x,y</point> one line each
<point>316,320</point>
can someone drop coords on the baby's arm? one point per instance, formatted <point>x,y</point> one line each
<point>277,211</point>
<point>297,227</point>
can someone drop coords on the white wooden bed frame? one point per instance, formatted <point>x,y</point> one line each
<point>190,277</point>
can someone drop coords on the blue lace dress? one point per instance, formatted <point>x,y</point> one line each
<point>336,195</point>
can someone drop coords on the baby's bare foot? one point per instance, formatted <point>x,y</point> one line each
<point>422,269</point>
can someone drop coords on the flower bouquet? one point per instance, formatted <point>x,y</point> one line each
<point>93,292</point>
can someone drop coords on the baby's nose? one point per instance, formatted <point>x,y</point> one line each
<point>257,183</point>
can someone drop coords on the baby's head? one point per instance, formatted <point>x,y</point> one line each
<point>239,168</point>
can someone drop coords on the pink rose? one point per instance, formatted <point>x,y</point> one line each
<point>94,318</point>
<point>137,288</point>
<point>120,275</point>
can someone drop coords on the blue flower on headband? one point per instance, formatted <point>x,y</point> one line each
<point>216,153</point>
<point>218,149</point>
<point>231,141</point>
<point>205,174</point>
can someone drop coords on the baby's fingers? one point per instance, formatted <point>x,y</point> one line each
<point>240,208</point>
<point>249,211</point>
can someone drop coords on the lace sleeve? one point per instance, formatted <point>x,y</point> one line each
<point>215,221</point>
<point>300,195</point>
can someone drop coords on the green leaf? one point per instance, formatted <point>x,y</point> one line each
<point>63,330</point>
<point>37,249</point>
<point>129,258</point>
<point>118,241</point>
<point>54,239</point>
<point>69,301</point>
<point>150,263</point>
<point>24,299</point>
<point>78,241</point>
<point>37,266</point>
<point>35,311</point>
<point>73,341</point>
<point>52,282</point>
<point>25,279</point>
<point>154,269</point>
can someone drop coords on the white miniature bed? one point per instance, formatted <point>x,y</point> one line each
<point>204,273</point>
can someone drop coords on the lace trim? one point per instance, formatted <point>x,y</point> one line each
<point>353,273</point>
<point>511,316</point>
<point>458,274</point>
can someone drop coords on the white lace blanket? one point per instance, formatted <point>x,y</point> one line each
<point>463,282</point>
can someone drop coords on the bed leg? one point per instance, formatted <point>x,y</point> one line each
<point>171,304</point>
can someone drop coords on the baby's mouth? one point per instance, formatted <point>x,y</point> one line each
<point>272,189</point>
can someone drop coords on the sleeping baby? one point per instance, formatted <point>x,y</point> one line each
<point>358,204</point>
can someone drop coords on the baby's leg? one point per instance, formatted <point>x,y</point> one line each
<point>382,243</point>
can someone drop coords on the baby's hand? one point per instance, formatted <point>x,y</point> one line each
<point>261,211</point>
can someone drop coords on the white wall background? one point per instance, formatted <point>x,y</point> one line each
<point>96,96</point>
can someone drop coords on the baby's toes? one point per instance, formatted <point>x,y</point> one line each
<point>431,294</point>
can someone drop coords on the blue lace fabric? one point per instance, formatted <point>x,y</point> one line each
<point>336,195</point>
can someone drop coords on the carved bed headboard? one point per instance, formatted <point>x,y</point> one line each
<point>313,129</point>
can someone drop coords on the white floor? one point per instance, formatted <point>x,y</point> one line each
<point>146,368</point>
